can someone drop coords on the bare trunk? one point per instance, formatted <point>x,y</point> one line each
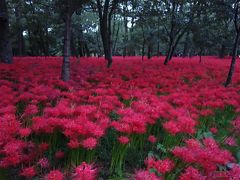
<point>20,38</point>
<point>200,56</point>
<point>73,45</point>
<point>158,41</point>
<point>116,39</point>
<point>143,45</point>
<point>174,40</point>
<point>67,49</point>
<point>234,55</point>
<point>125,30</point>
<point>149,51</point>
<point>222,51</point>
<point>105,28</point>
<point>169,53</point>
<point>186,46</point>
<point>5,42</point>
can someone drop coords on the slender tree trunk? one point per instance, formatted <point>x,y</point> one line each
<point>105,16</point>
<point>200,56</point>
<point>125,30</point>
<point>87,50</point>
<point>174,40</point>
<point>169,53</point>
<point>106,44</point>
<point>21,47</point>
<point>98,44</point>
<point>5,42</point>
<point>149,51</point>
<point>222,51</point>
<point>143,45</point>
<point>234,55</point>
<point>158,41</point>
<point>116,39</point>
<point>67,49</point>
<point>46,41</point>
<point>20,38</point>
<point>73,45</point>
<point>186,46</point>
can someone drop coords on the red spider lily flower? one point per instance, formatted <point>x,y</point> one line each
<point>213,130</point>
<point>43,163</point>
<point>123,140</point>
<point>162,166</point>
<point>145,175</point>
<point>28,172</point>
<point>59,154</point>
<point>89,143</point>
<point>191,173</point>
<point>152,139</point>
<point>85,172</point>
<point>54,175</point>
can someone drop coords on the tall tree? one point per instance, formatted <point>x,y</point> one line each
<point>68,7</point>
<point>236,42</point>
<point>181,15</point>
<point>5,42</point>
<point>106,10</point>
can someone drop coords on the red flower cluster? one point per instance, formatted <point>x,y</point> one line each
<point>161,166</point>
<point>208,155</point>
<point>85,172</point>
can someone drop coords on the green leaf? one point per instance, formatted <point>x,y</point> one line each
<point>207,135</point>
<point>238,156</point>
<point>161,148</point>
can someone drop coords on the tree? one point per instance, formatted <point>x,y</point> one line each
<point>106,10</point>
<point>5,42</point>
<point>236,42</point>
<point>180,16</point>
<point>68,7</point>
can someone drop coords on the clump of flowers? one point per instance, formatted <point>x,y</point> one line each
<point>145,175</point>
<point>85,172</point>
<point>191,173</point>
<point>161,166</point>
<point>54,175</point>
<point>28,172</point>
<point>152,139</point>
<point>207,154</point>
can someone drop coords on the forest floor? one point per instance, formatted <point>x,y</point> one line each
<point>138,119</point>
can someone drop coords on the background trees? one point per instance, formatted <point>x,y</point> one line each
<point>5,42</point>
<point>118,28</point>
<point>167,27</point>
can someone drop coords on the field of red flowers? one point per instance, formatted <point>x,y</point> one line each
<point>137,120</point>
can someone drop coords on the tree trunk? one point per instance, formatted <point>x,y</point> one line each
<point>186,46</point>
<point>143,45</point>
<point>67,48</point>
<point>125,30</point>
<point>222,51</point>
<point>169,53</point>
<point>5,42</point>
<point>158,41</point>
<point>200,56</point>
<point>234,54</point>
<point>73,45</point>
<point>106,44</point>
<point>174,40</point>
<point>105,27</point>
<point>20,38</point>
<point>21,46</point>
<point>149,51</point>
<point>116,39</point>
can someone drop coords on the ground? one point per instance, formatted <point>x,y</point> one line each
<point>137,119</point>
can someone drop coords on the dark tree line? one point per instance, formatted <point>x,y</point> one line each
<point>5,42</point>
